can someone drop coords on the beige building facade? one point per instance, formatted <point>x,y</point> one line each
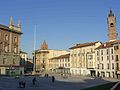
<point>105,60</point>
<point>60,64</point>
<point>116,46</point>
<point>82,58</point>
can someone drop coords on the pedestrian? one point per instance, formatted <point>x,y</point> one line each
<point>47,75</point>
<point>53,79</point>
<point>34,80</point>
<point>22,84</point>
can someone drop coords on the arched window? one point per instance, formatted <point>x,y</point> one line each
<point>6,48</point>
<point>15,39</point>
<point>15,50</point>
<point>5,37</point>
<point>5,42</point>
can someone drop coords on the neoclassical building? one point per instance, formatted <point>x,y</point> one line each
<point>82,58</point>
<point>10,49</point>
<point>42,56</point>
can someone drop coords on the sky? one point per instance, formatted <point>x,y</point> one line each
<point>62,23</point>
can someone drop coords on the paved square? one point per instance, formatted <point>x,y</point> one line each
<point>71,83</point>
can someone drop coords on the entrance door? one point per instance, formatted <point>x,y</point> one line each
<point>92,73</point>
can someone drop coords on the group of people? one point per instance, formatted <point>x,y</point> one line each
<point>22,84</point>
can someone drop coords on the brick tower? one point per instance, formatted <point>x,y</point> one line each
<point>112,33</point>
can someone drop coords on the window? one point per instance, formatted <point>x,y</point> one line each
<point>6,48</point>
<point>4,60</point>
<point>62,60</point>
<point>107,57</point>
<point>15,39</point>
<point>68,59</point>
<point>43,61</point>
<point>5,43</point>
<point>13,61</point>
<point>97,53</point>
<point>91,50</point>
<point>107,51</point>
<point>5,37</point>
<point>98,66</point>
<point>108,66</point>
<point>116,47</point>
<point>112,57</point>
<point>101,52</point>
<point>117,66</point>
<point>98,58</point>
<point>65,65</point>
<point>68,64</point>
<point>102,58</point>
<point>90,57</point>
<point>112,65</point>
<point>75,55</point>
<point>102,66</point>
<point>15,50</point>
<point>117,58</point>
<point>111,51</point>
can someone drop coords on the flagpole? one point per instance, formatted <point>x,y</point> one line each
<point>34,62</point>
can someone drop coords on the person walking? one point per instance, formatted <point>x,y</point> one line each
<point>53,79</point>
<point>34,80</point>
<point>22,84</point>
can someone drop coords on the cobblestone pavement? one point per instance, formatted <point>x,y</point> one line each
<point>42,83</point>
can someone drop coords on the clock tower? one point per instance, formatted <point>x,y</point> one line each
<point>112,33</point>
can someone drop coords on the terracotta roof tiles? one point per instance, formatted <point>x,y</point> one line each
<point>83,45</point>
<point>107,44</point>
